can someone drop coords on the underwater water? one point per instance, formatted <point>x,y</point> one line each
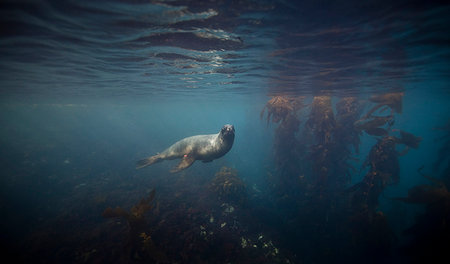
<point>341,116</point>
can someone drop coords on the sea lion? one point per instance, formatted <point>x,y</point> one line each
<point>201,147</point>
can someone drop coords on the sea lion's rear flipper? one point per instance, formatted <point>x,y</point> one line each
<point>148,161</point>
<point>185,162</point>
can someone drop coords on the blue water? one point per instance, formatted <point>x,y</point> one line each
<point>87,88</point>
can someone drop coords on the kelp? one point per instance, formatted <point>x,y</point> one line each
<point>287,149</point>
<point>228,187</point>
<point>430,233</point>
<point>136,212</point>
<point>348,110</point>
<point>394,101</point>
<point>384,169</point>
<point>279,107</point>
<point>321,122</point>
<point>427,193</point>
<point>409,140</point>
<point>321,125</point>
<point>442,163</point>
<point>375,125</point>
<point>139,244</point>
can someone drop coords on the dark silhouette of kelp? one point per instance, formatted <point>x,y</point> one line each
<point>140,246</point>
<point>348,110</point>
<point>314,166</point>
<point>287,148</point>
<point>442,164</point>
<point>365,220</point>
<point>278,108</point>
<point>384,169</point>
<point>321,124</point>
<point>430,234</point>
<point>228,187</point>
<point>394,101</point>
<point>375,125</point>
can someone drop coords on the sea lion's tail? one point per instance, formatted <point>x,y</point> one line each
<point>148,161</point>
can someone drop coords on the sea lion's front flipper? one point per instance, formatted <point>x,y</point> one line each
<point>185,162</point>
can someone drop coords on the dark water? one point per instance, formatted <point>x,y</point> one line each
<point>342,127</point>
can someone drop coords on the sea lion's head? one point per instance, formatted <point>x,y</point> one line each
<point>227,132</point>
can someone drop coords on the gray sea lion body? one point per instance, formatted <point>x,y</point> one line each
<point>201,147</point>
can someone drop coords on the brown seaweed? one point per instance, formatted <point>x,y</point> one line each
<point>430,233</point>
<point>391,100</point>
<point>228,186</point>
<point>136,212</point>
<point>442,163</point>
<point>140,244</point>
<point>321,124</point>
<point>279,107</point>
<point>427,193</point>
<point>348,110</point>
<point>409,139</point>
<point>373,125</point>
<point>384,169</point>
<point>374,121</point>
<point>376,131</point>
<point>321,120</point>
<point>287,150</point>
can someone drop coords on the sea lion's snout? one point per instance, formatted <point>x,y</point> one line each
<point>228,130</point>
